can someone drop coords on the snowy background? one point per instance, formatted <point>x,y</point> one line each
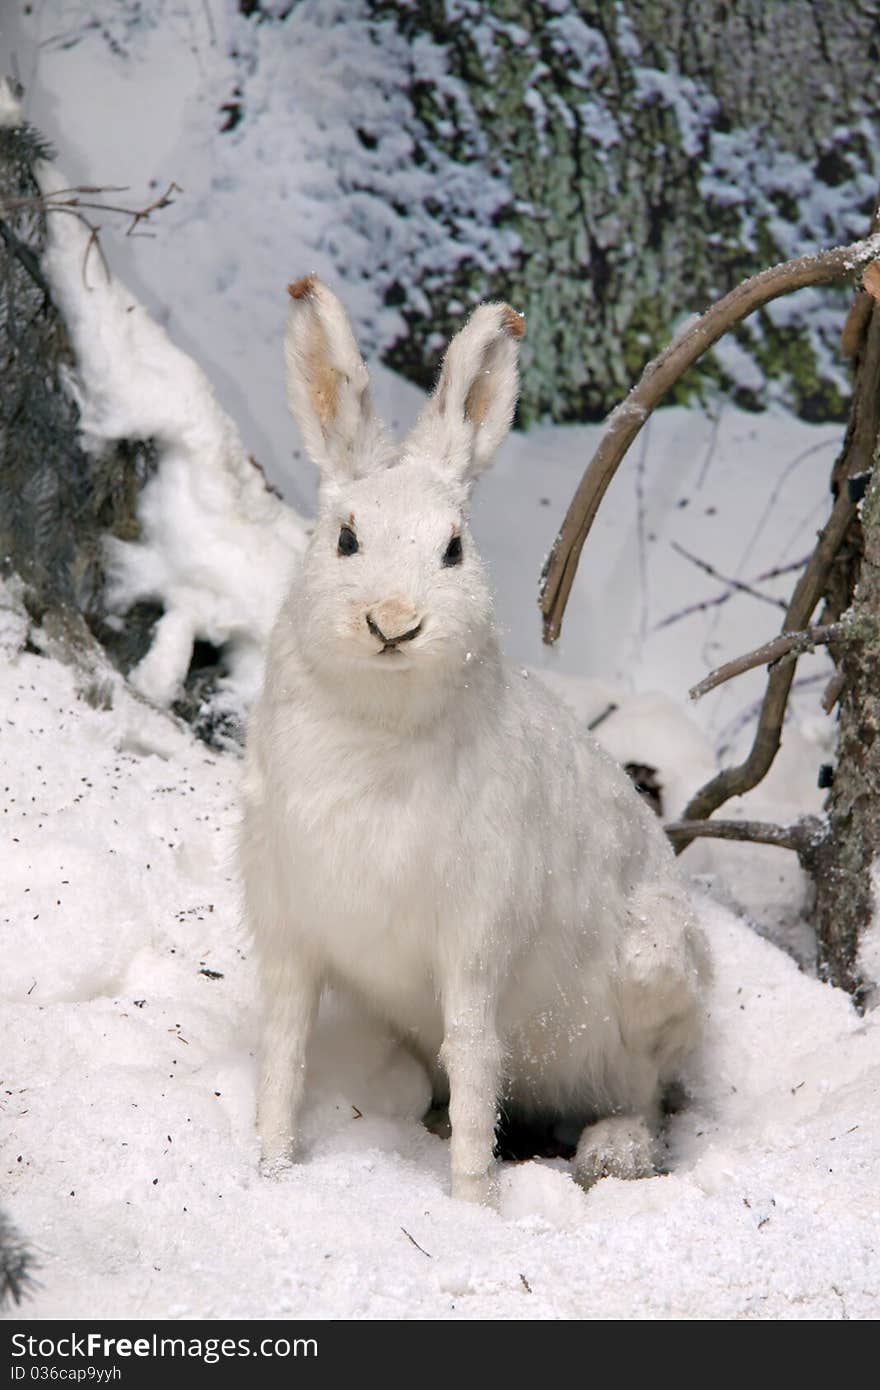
<point>127,1150</point>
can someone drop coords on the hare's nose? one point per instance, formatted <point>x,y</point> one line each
<point>393,622</point>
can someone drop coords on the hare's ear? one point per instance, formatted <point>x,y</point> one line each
<point>328,388</point>
<point>472,407</point>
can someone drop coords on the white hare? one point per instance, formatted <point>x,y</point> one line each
<point>430,831</point>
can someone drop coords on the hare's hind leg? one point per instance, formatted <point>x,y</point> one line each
<point>624,1143</point>
<point>663,970</point>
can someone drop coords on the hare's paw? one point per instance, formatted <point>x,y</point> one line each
<point>621,1146</point>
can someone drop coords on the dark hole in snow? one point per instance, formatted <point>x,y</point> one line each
<point>647,784</point>
<point>518,1139</point>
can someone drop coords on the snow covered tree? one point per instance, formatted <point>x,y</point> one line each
<point>57,500</point>
<point>97,406</point>
<point>653,153</point>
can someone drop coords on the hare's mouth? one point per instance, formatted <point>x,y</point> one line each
<point>394,654</point>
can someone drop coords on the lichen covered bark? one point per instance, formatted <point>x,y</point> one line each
<point>844,860</point>
<point>655,154</point>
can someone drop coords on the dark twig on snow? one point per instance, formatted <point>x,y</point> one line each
<point>415,1242</point>
<point>657,379</point>
<point>600,718</point>
<point>789,644</point>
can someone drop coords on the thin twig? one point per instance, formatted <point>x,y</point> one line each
<point>657,379</point>
<point>790,643</point>
<point>857,453</point>
<point>70,200</point>
<point>598,719</point>
<point>739,584</point>
<point>688,612</point>
<point>416,1243</point>
<point>778,570</point>
<point>704,604</point>
<point>751,712</point>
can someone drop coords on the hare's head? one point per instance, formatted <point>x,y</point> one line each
<point>392,581</point>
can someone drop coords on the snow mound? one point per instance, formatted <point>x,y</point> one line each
<point>127,1146</point>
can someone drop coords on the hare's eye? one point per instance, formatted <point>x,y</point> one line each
<point>452,555</point>
<point>348,542</point>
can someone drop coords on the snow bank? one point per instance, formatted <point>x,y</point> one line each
<point>127,1148</point>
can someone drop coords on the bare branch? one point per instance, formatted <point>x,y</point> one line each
<point>73,200</point>
<point>790,643</point>
<point>688,612</point>
<point>856,458</point>
<point>658,377</point>
<point>738,584</point>
<point>750,714</point>
<point>733,781</point>
<point>704,604</point>
<point>802,836</point>
<point>777,570</point>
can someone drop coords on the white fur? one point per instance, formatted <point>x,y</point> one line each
<point>428,830</point>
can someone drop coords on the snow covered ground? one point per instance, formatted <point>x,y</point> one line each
<point>127,1147</point>
<point>127,1151</point>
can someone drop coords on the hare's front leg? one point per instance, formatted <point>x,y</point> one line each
<point>471,1055</point>
<point>291,993</point>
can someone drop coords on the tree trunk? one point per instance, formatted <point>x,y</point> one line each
<point>843,862</point>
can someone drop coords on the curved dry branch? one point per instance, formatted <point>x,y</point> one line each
<point>790,643</point>
<point>659,376</point>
